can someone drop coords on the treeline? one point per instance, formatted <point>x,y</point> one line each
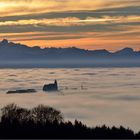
<point>46,122</point>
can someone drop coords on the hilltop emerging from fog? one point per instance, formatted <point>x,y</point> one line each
<point>17,55</point>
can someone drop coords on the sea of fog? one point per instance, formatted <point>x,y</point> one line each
<point>95,96</point>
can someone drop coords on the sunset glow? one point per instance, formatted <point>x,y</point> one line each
<point>86,24</point>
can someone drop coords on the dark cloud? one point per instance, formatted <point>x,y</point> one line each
<point>51,38</point>
<point>41,28</point>
<point>123,11</point>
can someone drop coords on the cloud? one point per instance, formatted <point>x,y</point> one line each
<point>82,21</point>
<point>73,21</point>
<point>25,7</point>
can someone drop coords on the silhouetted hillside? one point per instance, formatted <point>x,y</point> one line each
<point>17,55</point>
<point>46,122</point>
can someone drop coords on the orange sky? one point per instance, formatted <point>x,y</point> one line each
<point>86,24</point>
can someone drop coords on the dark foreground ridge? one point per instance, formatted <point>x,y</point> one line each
<point>47,122</point>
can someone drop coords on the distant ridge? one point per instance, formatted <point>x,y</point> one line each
<point>18,55</point>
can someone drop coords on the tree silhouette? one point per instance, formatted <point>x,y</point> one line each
<point>13,113</point>
<point>44,114</point>
<point>39,114</point>
<point>47,122</point>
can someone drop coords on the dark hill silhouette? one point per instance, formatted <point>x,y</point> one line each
<point>127,52</point>
<point>18,55</point>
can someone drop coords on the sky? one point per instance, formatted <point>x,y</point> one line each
<point>88,24</point>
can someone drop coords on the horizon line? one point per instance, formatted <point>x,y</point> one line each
<point>65,47</point>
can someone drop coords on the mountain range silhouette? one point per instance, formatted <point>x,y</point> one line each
<point>18,55</point>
